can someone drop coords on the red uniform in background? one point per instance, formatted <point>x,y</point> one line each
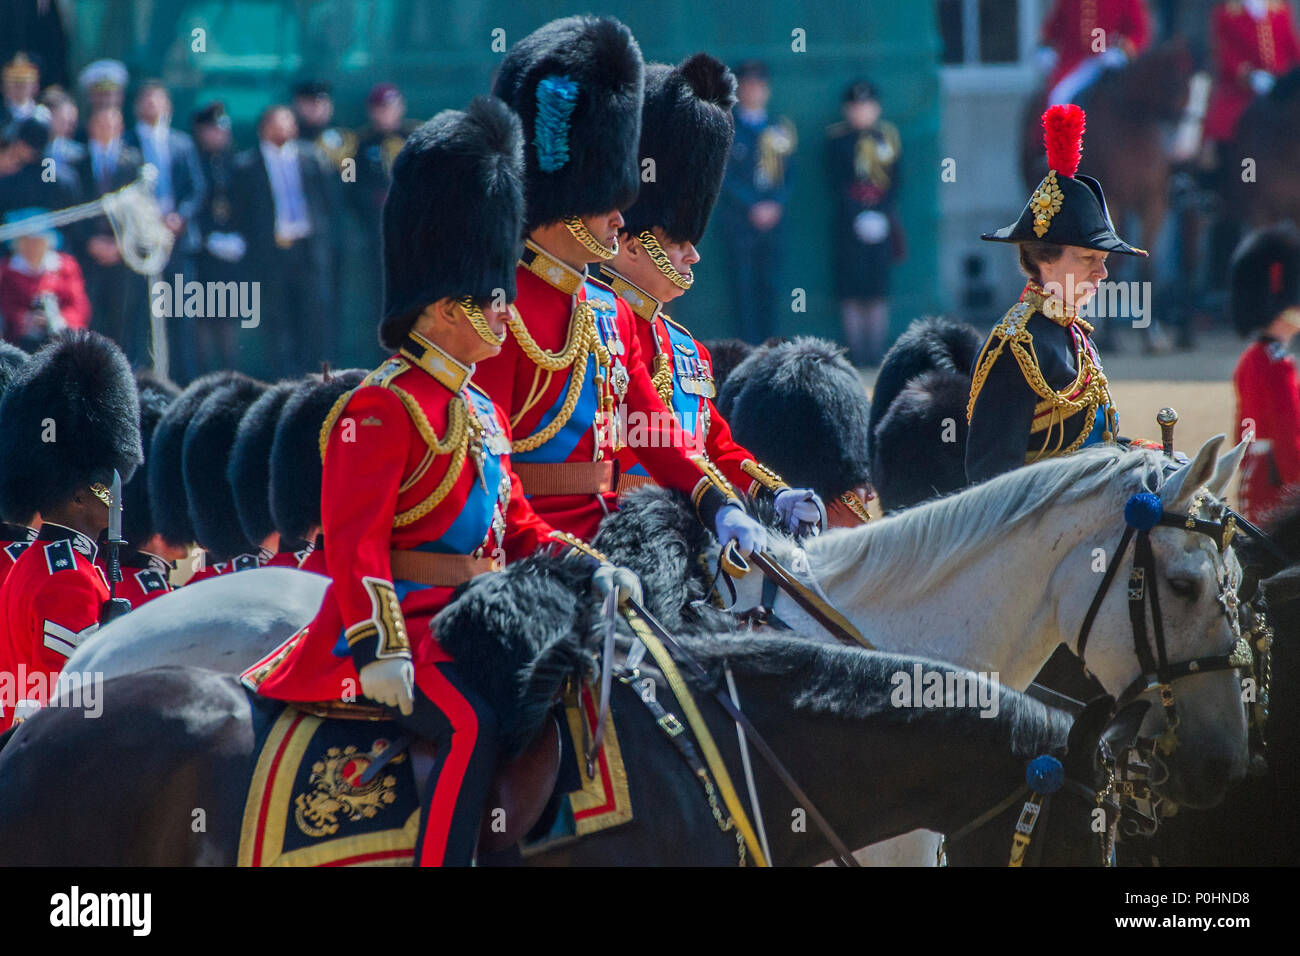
<point>20,285</point>
<point>145,576</point>
<point>553,300</point>
<point>1268,399</point>
<point>1242,45</point>
<point>681,370</point>
<point>52,598</point>
<point>1069,28</point>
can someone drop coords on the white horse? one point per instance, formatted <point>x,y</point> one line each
<point>996,577</point>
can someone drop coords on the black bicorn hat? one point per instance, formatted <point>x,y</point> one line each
<point>801,409</point>
<point>167,494</point>
<point>1264,277</point>
<point>249,469</point>
<point>69,418</point>
<point>295,456</point>
<point>205,457</point>
<point>686,129</point>
<point>156,395</point>
<point>577,85</point>
<point>1066,209</point>
<point>453,219</point>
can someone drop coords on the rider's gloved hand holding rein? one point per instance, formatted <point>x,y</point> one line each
<point>610,577</point>
<point>732,524</point>
<point>800,509</point>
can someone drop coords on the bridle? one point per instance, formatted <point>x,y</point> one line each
<point>1045,778</point>
<point>1143,512</point>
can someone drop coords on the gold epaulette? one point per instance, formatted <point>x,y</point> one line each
<point>763,476</point>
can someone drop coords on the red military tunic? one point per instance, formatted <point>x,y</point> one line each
<point>682,372</point>
<point>1268,399</point>
<point>240,562</point>
<point>574,414</point>
<point>289,558</point>
<point>397,478</point>
<point>1242,45</point>
<point>14,540</point>
<point>312,558</point>
<point>49,604</point>
<point>1069,28</point>
<point>145,576</point>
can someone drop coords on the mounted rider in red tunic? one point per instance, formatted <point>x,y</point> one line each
<point>1089,36</point>
<point>1254,43</point>
<point>418,495</point>
<point>572,373</point>
<point>686,132</point>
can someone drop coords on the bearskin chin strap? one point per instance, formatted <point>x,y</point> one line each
<point>578,229</point>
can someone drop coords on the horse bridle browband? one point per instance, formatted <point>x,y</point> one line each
<point>1143,512</point>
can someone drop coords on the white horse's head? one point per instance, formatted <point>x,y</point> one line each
<point>1195,589</point>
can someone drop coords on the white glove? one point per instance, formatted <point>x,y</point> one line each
<point>390,682</point>
<point>798,507</point>
<point>732,524</point>
<point>226,246</point>
<point>610,577</point>
<point>1261,81</point>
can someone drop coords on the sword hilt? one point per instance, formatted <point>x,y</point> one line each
<point>1167,418</point>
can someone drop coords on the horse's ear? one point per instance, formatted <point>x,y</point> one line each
<point>1283,587</point>
<point>1085,733</point>
<point>1182,484</point>
<point>1123,727</point>
<point>1225,469</point>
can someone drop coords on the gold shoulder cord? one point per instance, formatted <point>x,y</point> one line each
<point>583,340</point>
<point>662,379</point>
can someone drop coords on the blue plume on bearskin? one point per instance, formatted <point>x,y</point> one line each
<point>249,471</point>
<point>686,129</point>
<point>453,219</point>
<point>69,417</point>
<point>801,408</point>
<point>205,456</point>
<point>599,56</point>
<point>295,461</point>
<point>556,97</point>
<point>156,395</point>
<point>166,482</point>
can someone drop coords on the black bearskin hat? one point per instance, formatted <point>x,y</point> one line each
<point>802,410</point>
<point>12,358</point>
<point>933,342</point>
<point>1264,278</point>
<point>167,494</point>
<point>453,220</point>
<point>909,461</point>
<point>1066,209</point>
<point>577,85</point>
<point>69,417</point>
<point>249,471</point>
<point>726,354</point>
<point>686,128</point>
<point>295,453</point>
<point>156,395</point>
<point>205,456</point>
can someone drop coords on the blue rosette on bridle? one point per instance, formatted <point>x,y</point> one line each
<point>1144,511</point>
<point>1045,774</point>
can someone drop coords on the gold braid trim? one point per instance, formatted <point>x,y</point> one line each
<point>454,442</point>
<point>764,475</point>
<point>327,426</point>
<point>662,379</point>
<point>573,541</point>
<point>711,477</point>
<point>854,504</point>
<point>583,340</point>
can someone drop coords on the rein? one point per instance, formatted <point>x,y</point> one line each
<point>1143,512</point>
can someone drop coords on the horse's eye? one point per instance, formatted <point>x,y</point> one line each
<point>1187,588</point>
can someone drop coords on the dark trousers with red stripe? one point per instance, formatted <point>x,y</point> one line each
<point>463,730</point>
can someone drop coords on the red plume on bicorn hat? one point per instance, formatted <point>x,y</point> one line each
<point>1066,208</point>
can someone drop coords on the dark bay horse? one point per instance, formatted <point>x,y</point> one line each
<point>175,743</point>
<point>1267,190</point>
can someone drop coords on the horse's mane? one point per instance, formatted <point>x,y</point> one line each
<point>905,554</point>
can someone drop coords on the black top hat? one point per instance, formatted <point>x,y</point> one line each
<point>1264,277</point>
<point>577,85</point>
<point>453,219</point>
<point>1065,209</point>
<point>156,395</point>
<point>295,453</point>
<point>686,128</point>
<point>69,417</point>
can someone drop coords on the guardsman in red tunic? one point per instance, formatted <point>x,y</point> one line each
<point>205,461</point>
<point>296,465</point>
<point>686,130</point>
<point>571,375</point>
<point>69,419</point>
<point>1265,303</point>
<point>1254,44</point>
<point>417,492</point>
<point>1071,30</point>
<point>146,560</point>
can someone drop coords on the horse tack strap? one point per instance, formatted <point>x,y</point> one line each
<point>713,758</point>
<point>645,626</point>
